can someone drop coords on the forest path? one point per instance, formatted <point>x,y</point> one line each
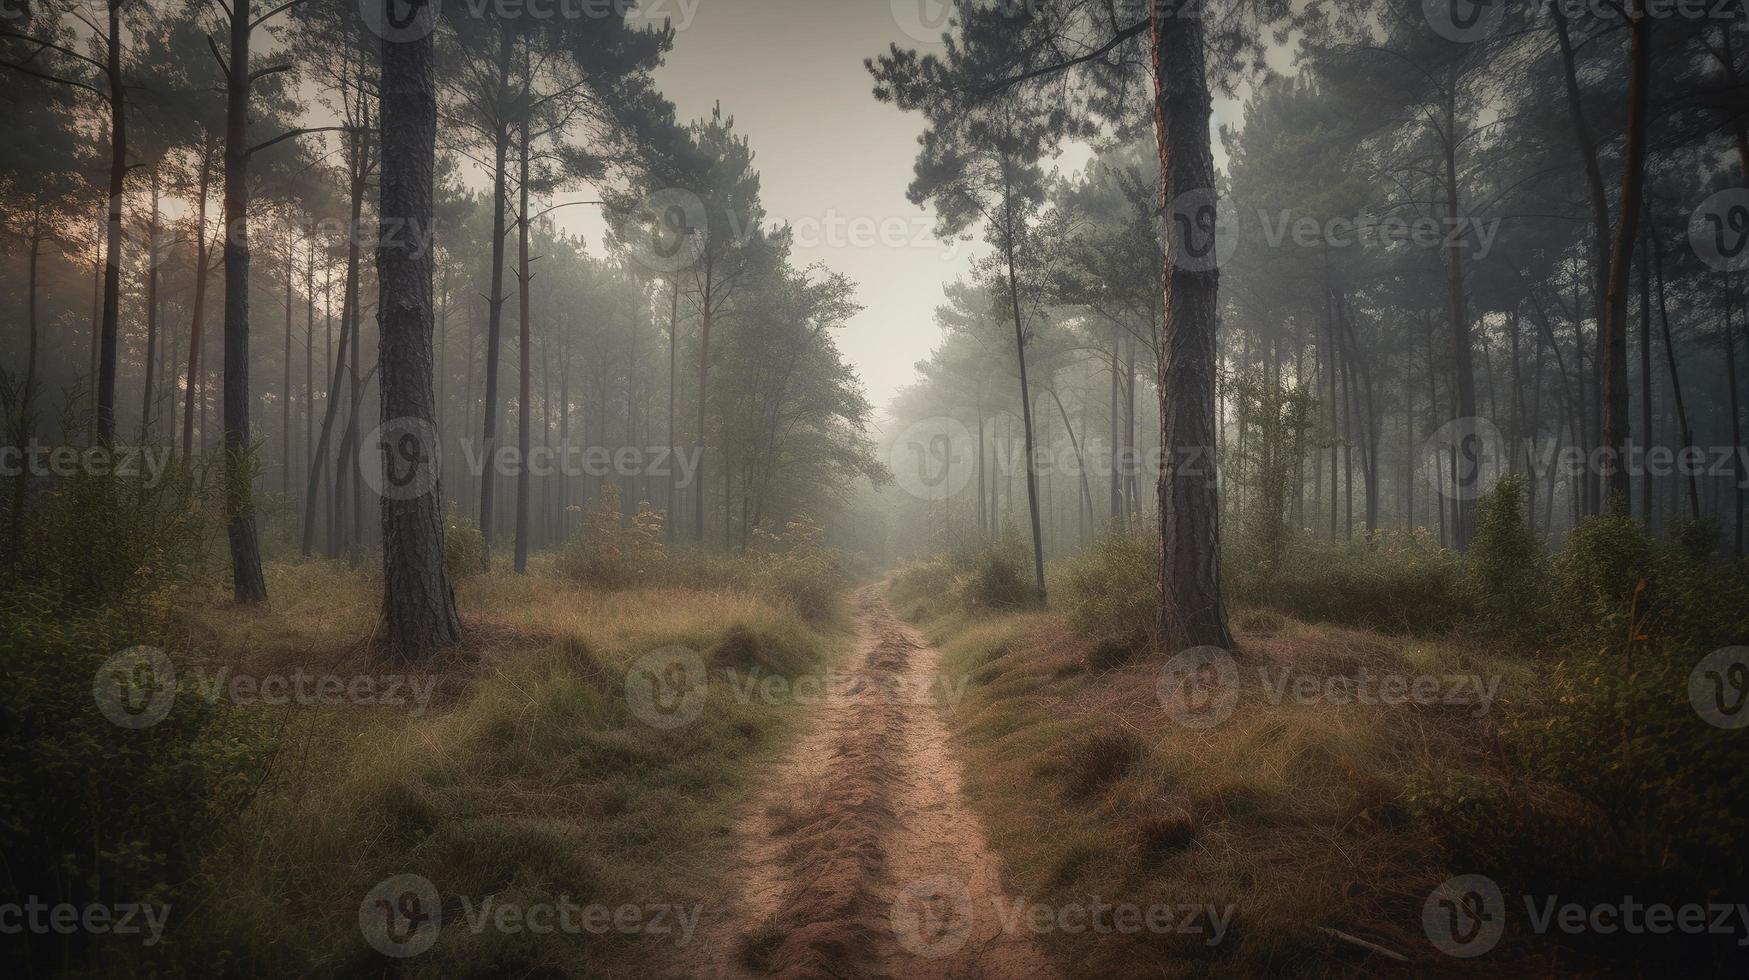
<point>858,856</point>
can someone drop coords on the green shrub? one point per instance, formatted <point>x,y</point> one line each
<point>998,576</point>
<point>1508,576</point>
<point>91,811</point>
<point>609,553</point>
<point>464,547</point>
<point>1396,581</point>
<point>1111,591</point>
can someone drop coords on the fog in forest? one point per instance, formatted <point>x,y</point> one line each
<point>944,488</point>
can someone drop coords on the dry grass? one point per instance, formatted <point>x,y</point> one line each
<point>528,780</point>
<point>1291,813</point>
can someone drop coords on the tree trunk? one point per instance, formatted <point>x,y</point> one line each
<point>201,258</point>
<point>247,583</point>
<point>495,302</point>
<point>1613,341</point>
<point>1009,232</point>
<point>151,314</point>
<point>118,168</point>
<point>418,602</point>
<point>523,476</point>
<point>1193,611</point>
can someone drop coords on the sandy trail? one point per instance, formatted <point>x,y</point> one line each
<point>860,858</point>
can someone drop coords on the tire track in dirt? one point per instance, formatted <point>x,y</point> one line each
<point>860,858</point>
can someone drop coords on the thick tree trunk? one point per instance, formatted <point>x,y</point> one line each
<point>418,602</point>
<point>1193,611</point>
<point>247,583</point>
<point>1464,486</point>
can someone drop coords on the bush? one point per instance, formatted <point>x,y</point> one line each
<point>91,811</point>
<point>464,547</point>
<point>609,553</point>
<point>1395,581</point>
<point>998,576</point>
<point>1111,591</point>
<point>1508,573</point>
<point>792,566</point>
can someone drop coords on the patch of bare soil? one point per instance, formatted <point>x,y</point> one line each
<point>859,856</point>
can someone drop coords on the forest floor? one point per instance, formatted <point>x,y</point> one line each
<point>886,791</point>
<point>861,856</point>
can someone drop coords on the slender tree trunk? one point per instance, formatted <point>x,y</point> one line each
<point>1463,370</point>
<point>495,303</point>
<point>151,314</point>
<point>522,301</point>
<point>112,258</point>
<point>1613,342</point>
<point>1686,433</point>
<point>418,601</point>
<point>1009,232</point>
<point>201,258</point>
<point>1193,611</point>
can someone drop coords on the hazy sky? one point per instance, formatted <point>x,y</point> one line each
<point>833,161</point>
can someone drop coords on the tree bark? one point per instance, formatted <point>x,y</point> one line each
<point>418,602</point>
<point>1613,344</point>
<point>1193,611</point>
<point>247,583</point>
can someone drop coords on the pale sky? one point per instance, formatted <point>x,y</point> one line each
<point>833,161</point>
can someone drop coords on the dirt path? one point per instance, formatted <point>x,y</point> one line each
<point>860,857</point>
